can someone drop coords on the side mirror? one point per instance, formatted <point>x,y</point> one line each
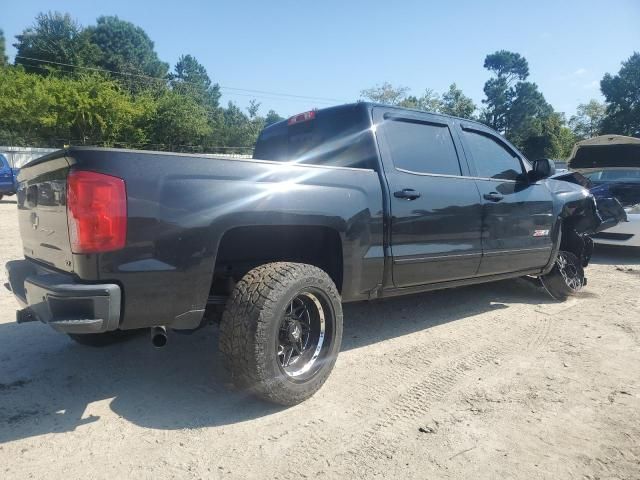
<point>542,168</point>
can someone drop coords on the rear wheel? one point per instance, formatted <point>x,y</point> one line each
<point>102,339</point>
<point>281,331</point>
<point>566,278</point>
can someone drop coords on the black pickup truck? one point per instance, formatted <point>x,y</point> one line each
<point>356,202</point>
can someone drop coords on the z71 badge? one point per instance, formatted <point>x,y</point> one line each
<point>541,233</point>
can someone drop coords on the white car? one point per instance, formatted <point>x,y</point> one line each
<point>612,164</point>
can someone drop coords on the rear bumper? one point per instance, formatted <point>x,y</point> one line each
<point>60,301</point>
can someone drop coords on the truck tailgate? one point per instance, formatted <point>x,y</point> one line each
<point>42,211</point>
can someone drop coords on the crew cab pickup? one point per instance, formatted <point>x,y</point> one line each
<point>350,203</point>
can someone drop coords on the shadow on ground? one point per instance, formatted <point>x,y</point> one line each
<point>47,381</point>
<point>615,255</point>
<point>4,200</point>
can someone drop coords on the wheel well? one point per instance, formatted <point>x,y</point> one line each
<point>580,245</point>
<point>244,248</point>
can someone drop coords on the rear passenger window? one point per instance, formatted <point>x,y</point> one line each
<point>492,159</point>
<point>421,147</point>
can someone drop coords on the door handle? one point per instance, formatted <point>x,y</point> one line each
<point>407,194</point>
<point>493,196</point>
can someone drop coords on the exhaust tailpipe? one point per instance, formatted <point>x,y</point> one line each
<point>158,336</point>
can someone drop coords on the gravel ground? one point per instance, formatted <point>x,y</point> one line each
<point>493,381</point>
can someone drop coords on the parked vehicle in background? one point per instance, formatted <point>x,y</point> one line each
<point>8,178</point>
<point>612,164</point>
<point>349,203</point>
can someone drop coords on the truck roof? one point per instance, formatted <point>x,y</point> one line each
<point>369,105</point>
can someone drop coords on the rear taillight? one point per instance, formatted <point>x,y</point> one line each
<point>96,212</point>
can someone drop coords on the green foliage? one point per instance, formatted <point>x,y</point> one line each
<point>547,137</point>
<point>44,104</point>
<point>55,110</point>
<point>507,65</point>
<point>588,120</point>
<point>429,101</point>
<point>239,129</point>
<point>452,102</point>
<point>386,94</point>
<point>54,37</point>
<point>456,103</point>
<point>122,46</point>
<point>179,123</point>
<point>191,78</point>
<point>271,118</point>
<point>3,56</point>
<point>511,103</point>
<point>622,95</point>
<point>517,109</point>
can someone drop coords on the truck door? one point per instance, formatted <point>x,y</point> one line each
<point>517,214</point>
<point>435,204</point>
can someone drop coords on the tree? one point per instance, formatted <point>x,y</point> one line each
<point>56,110</point>
<point>429,101</point>
<point>587,122</point>
<point>456,103</point>
<point>622,96</point>
<point>124,47</point>
<point>518,110</point>
<point>386,94</point>
<point>271,118</point>
<point>180,123</point>
<point>547,137</point>
<point>526,105</point>
<point>191,78</point>
<point>54,37</point>
<point>3,57</point>
<point>507,65</point>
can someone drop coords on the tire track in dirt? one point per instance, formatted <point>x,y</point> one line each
<point>432,361</point>
<point>380,444</point>
<point>541,337</point>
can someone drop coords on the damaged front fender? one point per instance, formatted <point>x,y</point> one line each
<point>581,213</point>
<point>585,210</point>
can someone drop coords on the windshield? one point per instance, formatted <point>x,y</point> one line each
<point>614,175</point>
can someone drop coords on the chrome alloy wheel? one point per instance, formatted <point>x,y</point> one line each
<point>301,335</point>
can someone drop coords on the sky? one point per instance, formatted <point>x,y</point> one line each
<point>328,51</point>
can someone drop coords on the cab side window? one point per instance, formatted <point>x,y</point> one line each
<point>420,147</point>
<point>492,158</point>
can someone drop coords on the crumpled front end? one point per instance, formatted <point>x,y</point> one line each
<point>582,213</point>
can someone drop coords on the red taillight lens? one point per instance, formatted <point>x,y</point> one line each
<point>96,212</point>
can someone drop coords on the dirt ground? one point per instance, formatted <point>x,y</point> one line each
<point>494,381</point>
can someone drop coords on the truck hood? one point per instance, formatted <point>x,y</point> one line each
<point>606,151</point>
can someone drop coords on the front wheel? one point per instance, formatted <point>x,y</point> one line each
<point>281,331</point>
<point>566,278</point>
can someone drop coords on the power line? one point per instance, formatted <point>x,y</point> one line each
<point>222,87</point>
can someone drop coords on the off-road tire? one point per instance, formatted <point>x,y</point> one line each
<point>251,322</point>
<point>556,283</point>
<point>102,339</point>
